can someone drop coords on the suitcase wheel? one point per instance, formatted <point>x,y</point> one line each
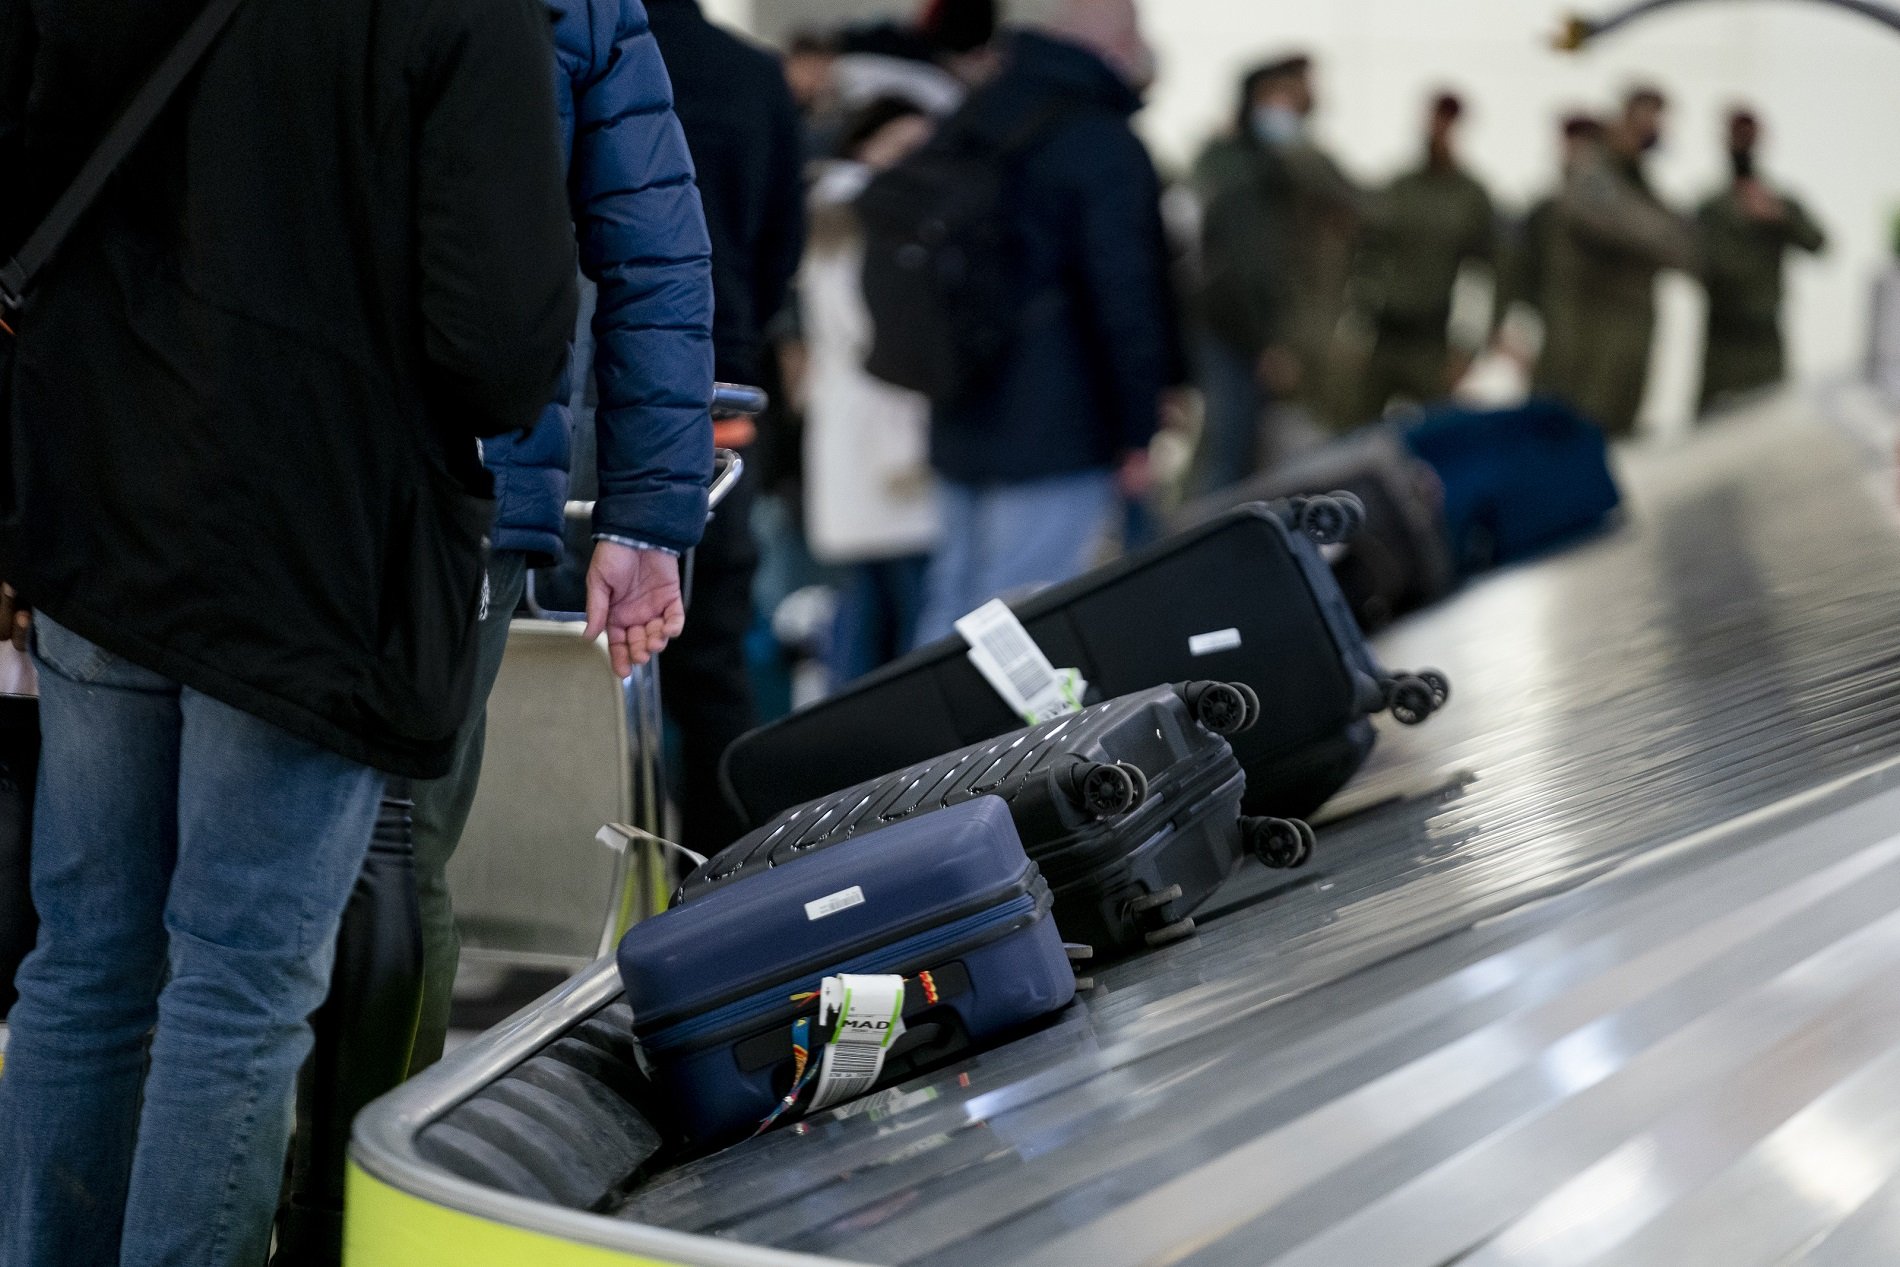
<point>1141,781</point>
<point>1440,684</point>
<point>1332,519</point>
<point>1103,791</point>
<point>1411,699</point>
<point>1077,952</point>
<point>1180,930</point>
<point>1084,984</point>
<point>1222,707</point>
<point>1280,843</point>
<point>1153,901</point>
<point>1253,704</point>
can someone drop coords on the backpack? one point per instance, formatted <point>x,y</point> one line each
<point>939,269</point>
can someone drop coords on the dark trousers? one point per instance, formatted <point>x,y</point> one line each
<point>704,685</point>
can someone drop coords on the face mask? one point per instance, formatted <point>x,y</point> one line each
<point>1276,125</point>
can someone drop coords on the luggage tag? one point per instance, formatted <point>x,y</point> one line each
<point>867,1015</point>
<point>1012,663</point>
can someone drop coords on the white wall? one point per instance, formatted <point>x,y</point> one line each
<point>1826,82</point>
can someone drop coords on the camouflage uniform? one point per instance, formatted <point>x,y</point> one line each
<point>1421,229</point>
<point>1613,236</point>
<point>1742,267</point>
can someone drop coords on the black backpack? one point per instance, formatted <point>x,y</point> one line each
<point>939,268</point>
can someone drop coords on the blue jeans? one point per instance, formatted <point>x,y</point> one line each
<point>1004,539</point>
<point>190,865</point>
<point>878,605</point>
<point>1236,408</point>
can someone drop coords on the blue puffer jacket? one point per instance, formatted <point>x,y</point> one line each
<point>643,241</point>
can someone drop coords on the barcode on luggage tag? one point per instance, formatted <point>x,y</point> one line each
<point>832,903</point>
<point>1216,641</point>
<point>1012,663</point>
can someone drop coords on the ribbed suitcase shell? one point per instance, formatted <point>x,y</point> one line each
<point>712,982</point>
<point>1129,626</point>
<point>1109,872</point>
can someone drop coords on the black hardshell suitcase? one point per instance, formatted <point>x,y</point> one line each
<point>1245,597</point>
<point>1131,809</point>
<point>1400,559</point>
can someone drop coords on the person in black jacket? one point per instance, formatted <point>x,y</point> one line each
<point>253,511</point>
<point>743,129</point>
<point>1032,465</point>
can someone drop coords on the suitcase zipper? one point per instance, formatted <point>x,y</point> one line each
<point>772,1003</point>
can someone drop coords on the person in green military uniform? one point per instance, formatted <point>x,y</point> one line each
<point>1420,231</point>
<point>1614,235</point>
<point>1746,232</point>
<point>1523,279</point>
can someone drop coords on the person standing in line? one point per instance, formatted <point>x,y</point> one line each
<point>870,497</point>
<point>1326,211</point>
<point>1032,461</point>
<point>252,528</point>
<point>1245,293</point>
<point>1614,235</point>
<point>1524,274</point>
<point>1420,231</point>
<point>643,244</point>
<point>1746,232</point>
<point>742,127</point>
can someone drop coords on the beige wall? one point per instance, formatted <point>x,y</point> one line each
<point>1827,83</point>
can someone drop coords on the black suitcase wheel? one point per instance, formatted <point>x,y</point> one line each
<point>1180,930</point>
<point>1153,901</point>
<point>1254,711</point>
<point>1331,519</point>
<point>1141,781</point>
<point>1411,700</point>
<point>1220,706</point>
<point>1440,684</point>
<point>1280,843</point>
<point>1102,791</point>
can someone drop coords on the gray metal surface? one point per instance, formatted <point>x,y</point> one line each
<point>1604,969</point>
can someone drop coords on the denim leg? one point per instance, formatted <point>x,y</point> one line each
<point>1230,434</point>
<point>1040,533</point>
<point>950,581</point>
<point>271,834</point>
<point>103,848</point>
<point>441,814</point>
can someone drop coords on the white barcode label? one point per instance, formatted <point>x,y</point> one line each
<point>1210,643</point>
<point>1012,663</point>
<point>865,1015</point>
<point>832,903</point>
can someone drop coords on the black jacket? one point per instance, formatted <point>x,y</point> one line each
<point>743,129</point>
<point>248,392</point>
<point>1095,341</point>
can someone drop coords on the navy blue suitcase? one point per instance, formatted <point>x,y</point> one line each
<point>1245,597</point>
<point>718,986</point>
<point>1517,481</point>
<point>1131,808</point>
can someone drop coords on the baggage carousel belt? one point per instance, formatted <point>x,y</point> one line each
<point>1470,1032</point>
<point>1597,966</point>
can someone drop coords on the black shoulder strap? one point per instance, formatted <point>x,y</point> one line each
<point>119,141</point>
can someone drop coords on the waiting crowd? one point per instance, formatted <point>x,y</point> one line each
<point>295,413</point>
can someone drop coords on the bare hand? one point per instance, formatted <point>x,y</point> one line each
<point>1761,203</point>
<point>15,619</point>
<point>1279,370</point>
<point>634,597</point>
<point>1136,478</point>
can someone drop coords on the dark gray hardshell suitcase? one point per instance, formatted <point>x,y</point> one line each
<point>1245,597</point>
<point>1131,809</point>
<point>1400,559</point>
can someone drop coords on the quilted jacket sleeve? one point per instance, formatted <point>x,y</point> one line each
<point>643,241</point>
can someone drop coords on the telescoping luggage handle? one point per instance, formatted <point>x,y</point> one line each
<point>16,276</point>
